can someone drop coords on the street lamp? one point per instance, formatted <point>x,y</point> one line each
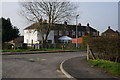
<point>76,32</point>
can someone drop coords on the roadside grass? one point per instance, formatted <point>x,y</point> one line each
<point>22,50</point>
<point>109,66</point>
<point>44,49</point>
<point>80,48</point>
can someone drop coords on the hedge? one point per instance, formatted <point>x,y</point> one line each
<point>106,47</point>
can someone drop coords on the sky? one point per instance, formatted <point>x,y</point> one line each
<point>99,15</point>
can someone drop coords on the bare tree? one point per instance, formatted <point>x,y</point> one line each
<point>54,12</point>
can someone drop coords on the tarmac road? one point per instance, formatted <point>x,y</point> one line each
<point>43,65</point>
<point>79,68</point>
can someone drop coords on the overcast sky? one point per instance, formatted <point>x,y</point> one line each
<point>100,15</point>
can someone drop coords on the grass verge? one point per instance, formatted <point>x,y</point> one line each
<point>111,67</point>
<point>22,50</point>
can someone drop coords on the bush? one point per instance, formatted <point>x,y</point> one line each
<point>85,41</point>
<point>106,47</point>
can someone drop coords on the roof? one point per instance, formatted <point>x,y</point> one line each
<point>109,30</point>
<point>61,27</point>
<point>19,39</point>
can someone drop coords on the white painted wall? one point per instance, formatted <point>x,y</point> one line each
<point>51,36</point>
<point>30,35</point>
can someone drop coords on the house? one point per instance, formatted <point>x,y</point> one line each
<point>110,32</point>
<point>17,42</point>
<point>58,30</point>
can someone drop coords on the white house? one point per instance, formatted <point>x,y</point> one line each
<point>33,37</point>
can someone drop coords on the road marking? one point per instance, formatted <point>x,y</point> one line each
<point>31,60</point>
<point>43,59</point>
<point>38,59</point>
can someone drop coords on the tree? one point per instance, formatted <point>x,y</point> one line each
<point>54,12</point>
<point>8,31</point>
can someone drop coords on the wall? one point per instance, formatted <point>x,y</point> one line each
<point>79,40</point>
<point>30,35</point>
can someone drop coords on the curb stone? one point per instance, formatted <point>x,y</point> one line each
<point>73,78</point>
<point>36,52</point>
<point>64,72</point>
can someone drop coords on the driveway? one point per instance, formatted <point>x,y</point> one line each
<point>43,65</point>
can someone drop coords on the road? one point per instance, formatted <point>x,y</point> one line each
<point>43,65</point>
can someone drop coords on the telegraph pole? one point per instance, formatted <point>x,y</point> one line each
<point>76,32</point>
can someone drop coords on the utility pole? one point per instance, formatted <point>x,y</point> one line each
<point>76,32</point>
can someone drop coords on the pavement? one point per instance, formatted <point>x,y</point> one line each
<point>79,69</point>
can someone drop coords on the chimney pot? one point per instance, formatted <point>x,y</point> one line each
<point>65,22</point>
<point>40,20</point>
<point>88,24</point>
<point>79,24</point>
<point>45,21</point>
<point>108,27</point>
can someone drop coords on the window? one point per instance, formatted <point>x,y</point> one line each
<point>73,32</point>
<point>67,32</point>
<point>80,33</point>
<point>83,33</point>
<point>94,33</point>
<point>60,33</point>
<point>56,32</point>
<point>32,41</point>
<point>30,31</point>
<point>27,41</point>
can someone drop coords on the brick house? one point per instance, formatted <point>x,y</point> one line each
<point>110,32</point>
<point>33,37</point>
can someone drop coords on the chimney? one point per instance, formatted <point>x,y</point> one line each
<point>88,24</point>
<point>79,24</point>
<point>108,27</point>
<point>88,29</point>
<point>65,22</point>
<point>45,21</point>
<point>40,20</point>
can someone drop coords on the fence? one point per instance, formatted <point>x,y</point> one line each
<point>55,45</point>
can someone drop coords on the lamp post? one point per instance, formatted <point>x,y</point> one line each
<point>76,32</point>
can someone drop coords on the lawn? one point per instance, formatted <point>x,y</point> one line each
<point>111,67</point>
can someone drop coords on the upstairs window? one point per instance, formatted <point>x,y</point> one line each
<point>56,33</point>
<point>60,33</point>
<point>83,33</point>
<point>80,34</point>
<point>73,33</point>
<point>67,32</point>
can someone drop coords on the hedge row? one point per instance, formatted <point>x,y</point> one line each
<point>106,47</point>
